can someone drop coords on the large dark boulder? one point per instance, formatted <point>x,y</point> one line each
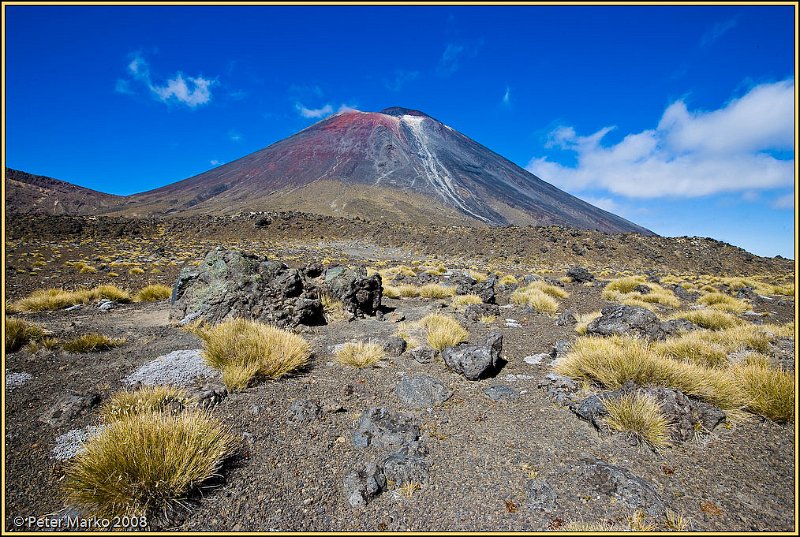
<point>580,275</point>
<point>230,284</point>
<point>620,320</point>
<point>360,294</point>
<point>475,361</point>
<point>467,285</point>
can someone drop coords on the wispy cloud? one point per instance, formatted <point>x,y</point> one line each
<point>507,96</point>
<point>689,153</point>
<point>234,136</point>
<point>214,162</point>
<point>401,78</point>
<point>718,30</point>
<point>449,62</point>
<point>324,111</point>
<point>784,202</point>
<point>192,91</point>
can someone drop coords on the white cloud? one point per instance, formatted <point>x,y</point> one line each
<point>401,77</point>
<point>193,93</point>
<point>607,204</point>
<point>448,63</point>
<point>718,30</point>
<point>190,91</point>
<point>314,112</point>
<point>688,154</point>
<point>507,96</point>
<point>784,202</point>
<point>325,111</point>
<point>214,162</point>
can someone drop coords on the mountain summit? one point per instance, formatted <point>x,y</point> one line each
<point>397,164</point>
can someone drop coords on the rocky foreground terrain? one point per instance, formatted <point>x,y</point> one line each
<point>488,434</point>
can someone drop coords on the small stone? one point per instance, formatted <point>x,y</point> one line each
<point>363,484</point>
<point>394,346</point>
<point>540,495</point>
<point>422,391</point>
<point>303,410</point>
<point>501,393</point>
<point>536,358</point>
<point>423,354</point>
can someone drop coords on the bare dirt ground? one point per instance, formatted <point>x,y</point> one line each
<point>482,453</point>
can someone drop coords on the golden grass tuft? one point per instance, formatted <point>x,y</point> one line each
<point>244,349</point>
<point>390,291</point>
<point>136,271</point>
<point>333,309</point>
<point>708,318</point>
<point>623,285</point>
<point>146,464</point>
<point>360,354</point>
<point>92,343</point>
<point>640,416</point>
<point>487,319</point>
<point>20,332</point>
<point>696,347</point>
<point>614,360</point>
<point>153,293</point>
<point>478,276</point>
<point>460,301</point>
<point>770,391</point>
<point>507,279</point>
<point>435,290</point>
<point>443,331</point>
<point>723,302</point>
<point>548,289</point>
<point>144,400</point>
<point>623,290</point>
<point>56,299</point>
<point>584,319</point>
<point>536,299</point>
<point>408,290</point>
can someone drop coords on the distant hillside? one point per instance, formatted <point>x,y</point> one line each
<point>36,194</point>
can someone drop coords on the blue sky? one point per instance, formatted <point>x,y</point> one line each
<point>678,118</point>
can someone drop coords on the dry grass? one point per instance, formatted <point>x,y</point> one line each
<point>360,354</point>
<point>19,332</point>
<point>153,293</point>
<point>624,291</point>
<point>459,301</point>
<point>640,416</point>
<point>56,299</point>
<point>536,299</point>
<point>333,309</point>
<point>478,276</point>
<point>136,271</point>
<point>708,318</point>
<point>548,289</point>
<point>696,347</point>
<point>390,291</point>
<point>435,290</point>
<point>243,349</point>
<point>145,400</point>
<point>443,331</point>
<point>623,285</point>
<point>146,464</point>
<point>92,343</point>
<point>487,319</point>
<point>584,319</point>
<point>508,279</point>
<point>722,302</point>
<point>408,291</point>
<point>770,391</point>
<point>614,360</point>
<point>676,522</point>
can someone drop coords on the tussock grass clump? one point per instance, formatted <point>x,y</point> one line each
<point>86,269</point>
<point>465,300</point>
<point>360,354</point>
<point>770,391</point>
<point>478,276</point>
<point>19,332</point>
<point>624,290</point>
<point>507,279</point>
<point>584,319</point>
<point>92,343</point>
<point>548,289</point>
<point>333,309</point>
<point>640,416</point>
<point>487,319</point>
<point>408,290</point>
<point>708,318</point>
<point>243,349</point>
<point>723,302</point>
<point>56,299</point>
<point>136,271</point>
<point>146,464</point>
<point>623,285</point>
<point>390,291</point>
<point>443,331</point>
<point>742,337</point>
<point>536,299</point>
<point>696,347</point>
<point>153,293</point>
<point>614,360</point>
<point>435,290</point>
<point>145,400</point>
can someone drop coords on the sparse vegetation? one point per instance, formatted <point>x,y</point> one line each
<point>708,318</point>
<point>147,399</point>
<point>465,300</point>
<point>487,319</point>
<point>136,271</point>
<point>640,416</point>
<point>443,331</point>
<point>360,354</point>
<point>243,349</point>
<point>535,298</point>
<point>770,391</point>
<point>723,302</point>
<point>20,332</point>
<point>146,463</point>
<point>92,343</point>
<point>153,293</point>
<point>584,319</point>
<point>56,299</point>
<point>435,290</point>
<point>333,309</point>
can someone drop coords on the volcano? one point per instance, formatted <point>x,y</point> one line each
<point>397,164</point>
